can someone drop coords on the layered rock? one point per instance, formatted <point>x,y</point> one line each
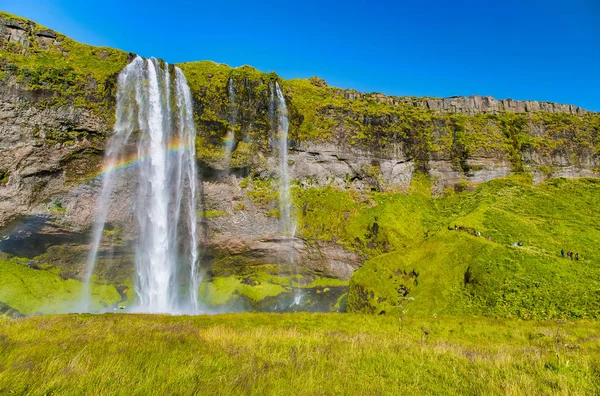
<point>470,105</point>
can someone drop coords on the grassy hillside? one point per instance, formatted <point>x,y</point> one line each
<point>450,270</point>
<point>303,354</point>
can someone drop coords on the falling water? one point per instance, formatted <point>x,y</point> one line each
<point>230,138</point>
<point>288,224</point>
<point>159,106</point>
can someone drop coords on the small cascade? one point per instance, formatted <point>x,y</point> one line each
<point>230,138</point>
<point>288,224</point>
<point>154,125</point>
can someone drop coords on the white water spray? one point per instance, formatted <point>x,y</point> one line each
<point>230,138</point>
<point>288,223</point>
<point>166,250</point>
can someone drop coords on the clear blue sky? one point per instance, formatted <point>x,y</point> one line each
<point>528,49</point>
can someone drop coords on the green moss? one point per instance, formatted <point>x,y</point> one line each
<point>37,291</point>
<point>211,213</point>
<point>457,272</point>
<point>75,73</point>
<point>57,207</point>
<point>263,192</point>
<point>371,224</point>
<point>4,175</point>
<point>326,282</point>
<point>225,291</point>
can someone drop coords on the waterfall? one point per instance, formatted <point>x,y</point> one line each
<point>156,108</point>
<point>288,225</point>
<point>230,138</point>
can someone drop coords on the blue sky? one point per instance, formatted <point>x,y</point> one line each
<point>529,49</point>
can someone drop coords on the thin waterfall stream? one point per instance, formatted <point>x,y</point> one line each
<point>230,137</point>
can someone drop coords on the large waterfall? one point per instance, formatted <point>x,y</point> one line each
<point>279,112</point>
<point>155,133</point>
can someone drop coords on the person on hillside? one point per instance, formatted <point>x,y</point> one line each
<point>576,256</point>
<point>562,253</point>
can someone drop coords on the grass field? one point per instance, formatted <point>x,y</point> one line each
<point>308,354</point>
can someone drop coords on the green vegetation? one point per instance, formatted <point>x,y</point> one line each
<point>32,290</point>
<point>209,82</point>
<point>57,207</point>
<point>85,76</point>
<point>74,73</point>
<point>4,175</point>
<point>226,291</point>
<point>241,282</point>
<point>211,213</point>
<point>432,268</point>
<point>376,123</point>
<point>304,354</point>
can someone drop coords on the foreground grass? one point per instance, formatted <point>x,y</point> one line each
<point>297,354</point>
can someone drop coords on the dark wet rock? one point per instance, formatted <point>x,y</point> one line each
<point>9,311</point>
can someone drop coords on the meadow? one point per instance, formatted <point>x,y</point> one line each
<point>300,353</point>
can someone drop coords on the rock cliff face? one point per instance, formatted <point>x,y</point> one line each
<point>56,112</point>
<point>471,105</point>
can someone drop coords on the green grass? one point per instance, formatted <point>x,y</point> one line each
<point>455,272</point>
<point>33,291</point>
<point>303,354</point>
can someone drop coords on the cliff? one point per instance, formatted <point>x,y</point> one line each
<point>357,160</point>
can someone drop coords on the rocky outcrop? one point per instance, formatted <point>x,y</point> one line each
<point>470,105</point>
<point>486,104</point>
<point>10,312</point>
<point>44,151</point>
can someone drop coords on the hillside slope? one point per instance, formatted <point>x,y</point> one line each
<point>456,271</point>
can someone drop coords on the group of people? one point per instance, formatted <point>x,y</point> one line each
<point>569,254</point>
<point>471,230</point>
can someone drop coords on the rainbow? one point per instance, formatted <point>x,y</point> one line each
<point>133,159</point>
